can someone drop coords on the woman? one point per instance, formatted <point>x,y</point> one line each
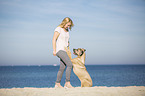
<point>60,41</point>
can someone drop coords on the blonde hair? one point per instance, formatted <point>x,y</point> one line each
<point>65,21</point>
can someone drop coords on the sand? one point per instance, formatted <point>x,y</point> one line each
<point>77,91</point>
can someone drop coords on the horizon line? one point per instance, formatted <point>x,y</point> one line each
<point>85,64</point>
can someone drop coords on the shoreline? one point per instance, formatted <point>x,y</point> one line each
<point>74,87</point>
<point>77,91</point>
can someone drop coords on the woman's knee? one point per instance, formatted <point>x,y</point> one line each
<point>61,68</point>
<point>70,65</point>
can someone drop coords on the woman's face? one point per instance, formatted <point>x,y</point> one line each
<point>67,26</point>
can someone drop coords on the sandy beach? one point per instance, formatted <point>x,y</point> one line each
<point>77,91</point>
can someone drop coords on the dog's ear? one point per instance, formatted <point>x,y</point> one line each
<point>74,52</point>
<point>83,49</point>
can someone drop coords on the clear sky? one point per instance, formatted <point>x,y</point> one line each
<point>112,31</point>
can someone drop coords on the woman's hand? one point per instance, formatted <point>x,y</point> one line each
<point>54,53</point>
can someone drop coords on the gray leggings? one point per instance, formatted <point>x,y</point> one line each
<point>64,61</point>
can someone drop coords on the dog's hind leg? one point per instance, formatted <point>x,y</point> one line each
<point>86,83</point>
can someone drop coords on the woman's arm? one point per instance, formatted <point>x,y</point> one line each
<point>55,36</point>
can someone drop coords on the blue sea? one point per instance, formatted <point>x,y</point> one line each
<point>45,76</point>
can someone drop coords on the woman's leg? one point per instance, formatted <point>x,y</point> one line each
<point>60,72</point>
<point>65,60</point>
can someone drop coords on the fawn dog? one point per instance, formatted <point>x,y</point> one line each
<point>79,66</point>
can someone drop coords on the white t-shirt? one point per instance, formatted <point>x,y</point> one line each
<point>62,40</point>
